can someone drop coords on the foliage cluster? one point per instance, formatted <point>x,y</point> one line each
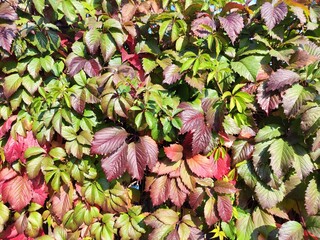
<point>159,119</point>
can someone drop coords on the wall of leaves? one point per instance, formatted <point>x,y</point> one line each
<point>159,119</point>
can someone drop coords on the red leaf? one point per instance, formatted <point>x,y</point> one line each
<point>7,12</point>
<point>175,194</point>
<point>232,24</point>
<point>282,78</point>
<point>201,166</point>
<point>151,148</point>
<point>75,64</point>
<point>224,208</point>
<point>273,15</point>
<point>61,202</point>
<point>13,149</point>
<point>11,233</point>
<point>201,139</point>
<point>108,140</point>
<point>268,101</point>
<point>115,165</point>
<point>18,192</point>
<point>210,211</point>
<point>224,187</point>
<point>221,167</point>
<point>196,197</point>
<point>174,152</point>
<point>92,68</point>
<point>7,34</point>
<point>301,59</point>
<point>7,125</point>
<point>40,190</point>
<point>160,190</point>
<point>171,74</point>
<point>137,160</point>
<point>78,100</point>
<point>197,25</point>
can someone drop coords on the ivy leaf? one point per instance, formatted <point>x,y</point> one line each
<point>247,67</point>
<point>201,166</point>
<point>294,98</point>
<point>232,24</point>
<point>268,101</point>
<point>312,197</point>
<point>282,78</point>
<point>291,230</point>
<point>7,12</point>
<point>200,25</point>
<point>282,157</point>
<point>224,206</point>
<point>7,35</point>
<point>174,152</point>
<point>313,225</point>
<point>171,74</point>
<point>92,40</point>
<point>18,192</point>
<point>273,15</point>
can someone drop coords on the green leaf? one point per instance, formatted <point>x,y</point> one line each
<point>68,133</point>
<point>39,5</point>
<point>282,157</point>
<point>267,196</point>
<point>163,27</point>
<point>33,166</point>
<point>34,224</point>
<point>244,227</point>
<point>68,10</point>
<point>302,162</point>
<point>108,46</point>
<point>11,84</point>
<point>230,126</point>
<point>41,42</point>
<point>174,32</point>
<point>47,63</point>
<point>247,67</point>
<point>138,119</point>
<point>58,153</point>
<point>291,230</point>
<point>34,67</point>
<point>92,40</point>
<point>150,119</point>
<point>268,132</point>
<point>33,151</point>
<point>313,225</point>
<point>312,197</point>
<point>310,121</point>
<point>246,171</point>
<point>4,213</point>
<point>148,65</point>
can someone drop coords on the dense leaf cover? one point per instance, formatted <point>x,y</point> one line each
<point>159,119</point>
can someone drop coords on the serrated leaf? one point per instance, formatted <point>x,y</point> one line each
<point>92,40</point>
<point>244,227</point>
<point>232,24</point>
<point>171,74</point>
<point>7,35</point>
<point>201,166</point>
<point>282,78</point>
<point>268,101</point>
<point>39,5</point>
<point>7,11</point>
<point>268,132</point>
<point>302,162</point>
<point>313,225</point>
<point>108,47</point>
<point>282,157</point>
<point>267,196</point>
<point>159,191</point>
<point>224,187</point>
<point>294,98</point>
<point>166,216</point>
<point>273,15</point>
<point>174,152</point>
<point>224,206</point>
<point>310,120</point>
<point>210,212</point>
<point>230,126</point>
<point>247,67</point>
<point>312,197</point>
<point>291,230</point>
<point>11,84</point>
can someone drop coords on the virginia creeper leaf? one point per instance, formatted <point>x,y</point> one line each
<point>273,15</point>
<point>232,24</point>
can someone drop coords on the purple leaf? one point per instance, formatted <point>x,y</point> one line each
<point>7,34</point>
<point>151,149</point>
<point>268,101</point>
<point>7,12</point>
<point>281,78</point>
<point>137,160</point>
<point>272,15</point>
<point>75,64</point>
<point>92,68</point>
<point>78,100</point>
<point>171,74</point>
<point>108,140</point>
<point>232,24</point>
<point>224,208</point>
<point>197,25</point>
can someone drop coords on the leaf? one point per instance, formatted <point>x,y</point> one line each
<point>151,149</point>
<point>160,190</point>
<point>75,64</point>
<point>301,58</point>
<point>39,190</point>
<point>174,152</point>
<point>281,78</point>
<point>232,24</point>
<point>273,15</point>
<point>7,12</point>
<point>61,202</point>
<point>176,195</point>
<point>34,67</point>
<point>312,197</point>
<point>244,227</point>
<point>171,74</point>
<point>224,187</point>
<point>294,98</point>
<point>282,157</point>
<point>201,166</point>
<point>268,101</point>
<point>221,166</point>
<point>230,126</point>
<point>241,150</point>
<point>224,206</point>
<point>247,67</point>
<point>267,196</point>
<point>196,197</point>
<point>310,120</point>
<point>108,140</point>
<point>17,192</point>
<point>166,216</point>
<point>11,84</point>
<point>313,225</point>
<point>210,212</point>
<point>108,47</point>
<point>7,125</point>
<point>291,230</point>
<point>137,160</point>
<point>262,218</point>
<point>268,132</point>
<point>4,213</point>
<point>92,40</point>
<point>201,25</point>
<point>7,35</point>
<point>302,162</point>
<point>92,68</point>
<point>39,5</point>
